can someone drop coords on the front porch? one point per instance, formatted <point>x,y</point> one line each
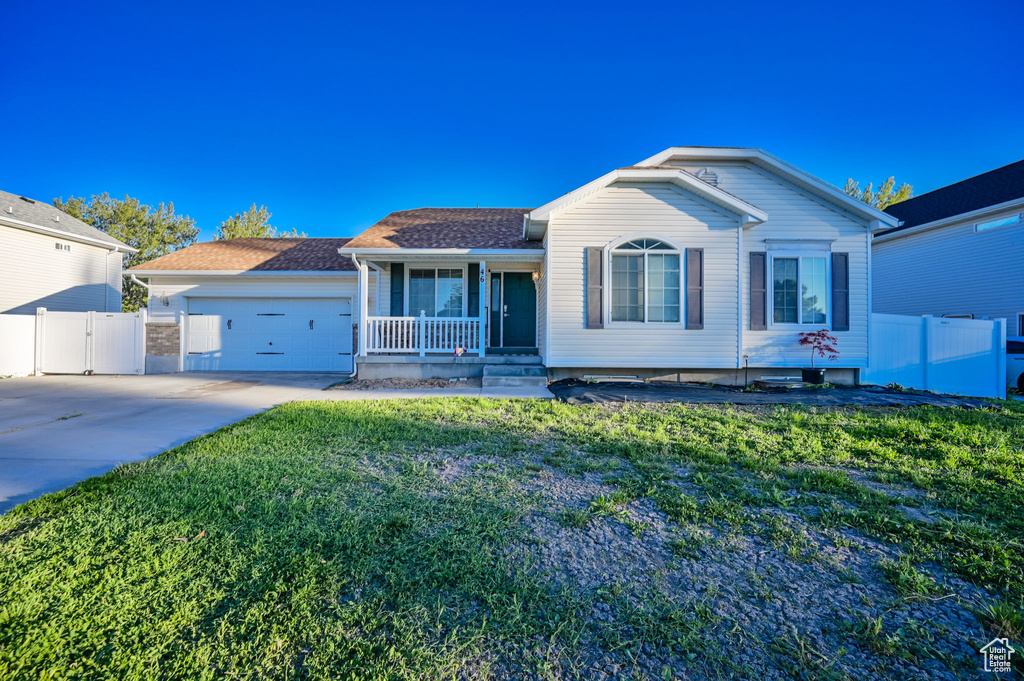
<point>442,309</point>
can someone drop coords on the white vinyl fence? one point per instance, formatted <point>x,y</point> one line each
<point>90,342</point>
<point>17,344</point>
<point>958,356</point>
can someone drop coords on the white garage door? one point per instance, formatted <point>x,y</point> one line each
<point>269,334</point>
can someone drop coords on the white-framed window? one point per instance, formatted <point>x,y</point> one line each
<point>438,291</point>
<point>1006,221</point>
<point>800,289</point>
<point>646,282</point>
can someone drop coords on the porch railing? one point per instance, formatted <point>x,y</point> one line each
<point>422,334</point>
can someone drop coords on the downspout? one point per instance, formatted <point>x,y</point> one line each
<point>136,280</point>
<point>359,299</point>
<point>740,350</point>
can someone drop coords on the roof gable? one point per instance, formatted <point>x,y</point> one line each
<point>981,191</point>
<point>816,187</point>
<point>681,179</point>
<point>254,255</point>
<point>22,211</point>
<point>447,228</point>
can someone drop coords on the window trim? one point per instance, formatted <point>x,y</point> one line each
<point>770,293</point>
<point>1018,219</point>
<point>610,249</point>
<point>407,299</point>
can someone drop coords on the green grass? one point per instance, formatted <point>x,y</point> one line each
<point>323,543</point>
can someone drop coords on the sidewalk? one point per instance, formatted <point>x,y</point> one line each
<point>490,393</point>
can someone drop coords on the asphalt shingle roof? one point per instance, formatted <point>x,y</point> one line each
<point>256,255</point>
<point>499,228</point>
<point>42,214</point>
<point>988,189</point>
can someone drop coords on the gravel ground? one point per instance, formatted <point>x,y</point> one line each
<point>776,598</point>
<point>408,384</point>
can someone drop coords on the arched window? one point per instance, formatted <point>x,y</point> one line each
<point>645,282</point>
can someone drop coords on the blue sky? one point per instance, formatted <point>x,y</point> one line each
<point>333,114</point>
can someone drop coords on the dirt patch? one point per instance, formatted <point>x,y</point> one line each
<point>578,392</point>
<point>409,384</point>
<point>771,598</point>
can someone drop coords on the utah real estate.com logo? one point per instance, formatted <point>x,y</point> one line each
<point>997,655</point>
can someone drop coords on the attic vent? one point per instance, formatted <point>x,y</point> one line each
<point>25,198</point>
<point>708,175</point>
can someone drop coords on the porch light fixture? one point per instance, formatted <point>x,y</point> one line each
<point>535,274</point>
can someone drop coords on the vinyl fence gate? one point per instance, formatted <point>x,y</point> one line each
<point>90,342</point>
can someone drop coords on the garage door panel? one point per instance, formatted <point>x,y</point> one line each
<point>270,334</point>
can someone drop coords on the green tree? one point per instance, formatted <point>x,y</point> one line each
<point>153,231</point>
<point>252,224</point>
<point>886,195</point>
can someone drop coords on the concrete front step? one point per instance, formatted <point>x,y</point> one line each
<point>515,375</point>
<point>515,370</point>
<point>515,381</point>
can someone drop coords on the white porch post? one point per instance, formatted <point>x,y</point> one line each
<point>483,308</point>
<point>364,299</point>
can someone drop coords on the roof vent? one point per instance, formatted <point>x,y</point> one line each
<point>25,198</point>
<point>708,175</point>
<point>56,218</point>
<point>10,209</point>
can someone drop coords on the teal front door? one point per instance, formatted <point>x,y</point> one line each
<point>513,310</point>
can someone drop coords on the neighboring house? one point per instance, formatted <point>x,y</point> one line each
<point>700,263</point>
<point>50,259</point>
<point>957,252</point>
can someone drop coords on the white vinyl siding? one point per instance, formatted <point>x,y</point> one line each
<point>651,211</point>
<point>37,274</point>
<point>792,214</point>
<point>542,309</point>
<point>952,270</point>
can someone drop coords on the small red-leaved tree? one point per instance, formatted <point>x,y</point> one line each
<point>822,344</point>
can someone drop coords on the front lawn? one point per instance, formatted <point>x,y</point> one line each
<point>454,538</point>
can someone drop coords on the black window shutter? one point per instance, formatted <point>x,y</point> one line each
<point>840,291</point>
<point>758,291</point>
<point>397,289</point>
<point>473,303</point>
<point>595,288</point>
<point>695,288</point>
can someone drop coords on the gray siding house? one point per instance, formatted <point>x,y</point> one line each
<point>50,259</point>
<point>958,251</point>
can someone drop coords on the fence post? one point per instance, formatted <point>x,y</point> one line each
<point>925,350</point>
<point>143,317</point>
<point>423,333</point>
<point>999,341</point>
<point>38,358</point>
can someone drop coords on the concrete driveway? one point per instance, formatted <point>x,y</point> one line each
<point>57,430</point>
